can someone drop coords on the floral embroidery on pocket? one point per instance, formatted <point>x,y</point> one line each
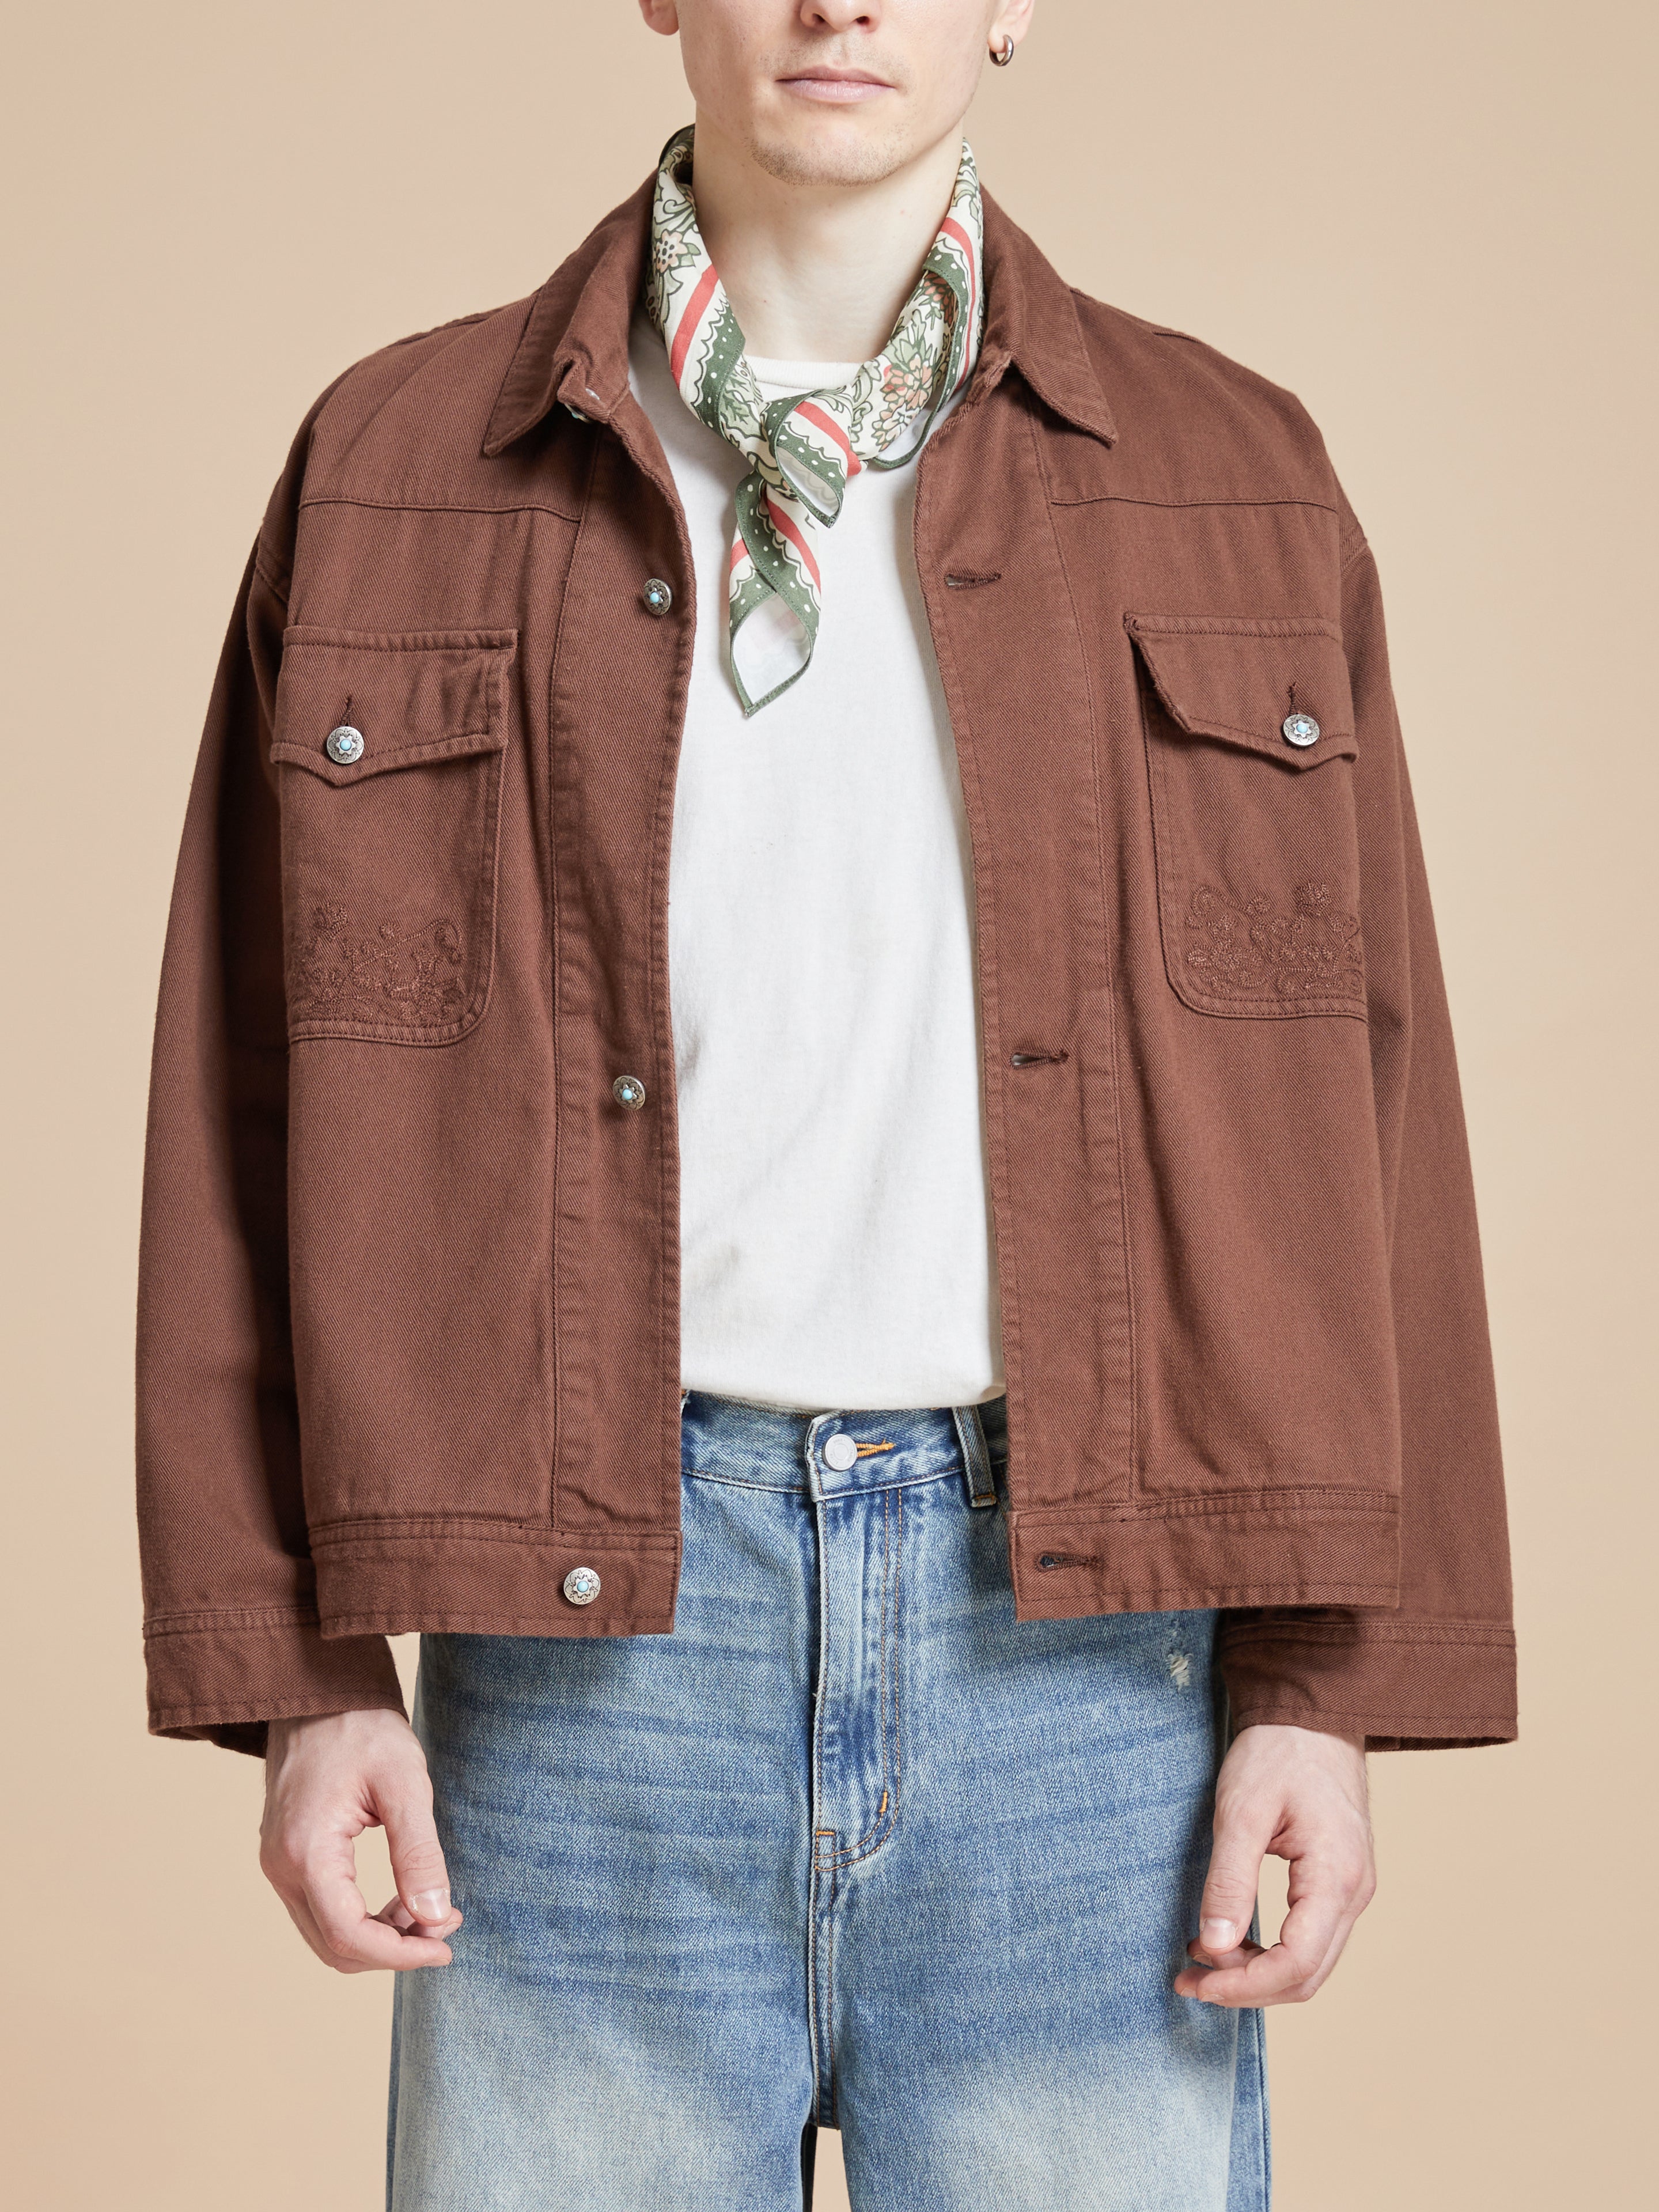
<point>385,974</point>
<point>1250,952</point>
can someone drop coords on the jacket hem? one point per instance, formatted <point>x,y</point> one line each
<point>1326,1554</point>
<point>373,1580</point>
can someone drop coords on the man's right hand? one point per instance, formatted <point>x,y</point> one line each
<point>327,1778</point>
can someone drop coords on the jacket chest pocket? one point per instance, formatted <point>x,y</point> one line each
<point>1249,731</point>
<point>388,754</point>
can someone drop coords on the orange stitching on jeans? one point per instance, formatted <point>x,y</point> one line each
<point>865,1450</point>
<point>829,1991</point>
<point>822,1870</point>
<point>813,1989</point>
<point>883,1824</point>
<point>857,1850</point>
<point>823,2079</point>
<point>823,1865</point>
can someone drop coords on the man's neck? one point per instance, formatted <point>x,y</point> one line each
<point>817,272</point>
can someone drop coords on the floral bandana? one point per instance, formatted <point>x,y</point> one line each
<point>803,450</point>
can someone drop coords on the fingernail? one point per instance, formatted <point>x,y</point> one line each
<point>1216,1935</point>
<point>431,1905</point>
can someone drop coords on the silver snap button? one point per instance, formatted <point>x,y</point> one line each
<point>581,1586</point>
<point>1300,730</point>
<point>840,1451</point>
<point>629,1092</point>
<point>344,745</point>
<point>657,596</point>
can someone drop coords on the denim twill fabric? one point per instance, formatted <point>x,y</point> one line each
<point>851,1845</point>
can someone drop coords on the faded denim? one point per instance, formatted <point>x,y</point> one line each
<point>851,1847</point>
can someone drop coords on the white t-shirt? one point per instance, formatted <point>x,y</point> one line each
<point>835,1217</point>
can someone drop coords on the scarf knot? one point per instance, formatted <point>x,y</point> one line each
<point>804,449</point>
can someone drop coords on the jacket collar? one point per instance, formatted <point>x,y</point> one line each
<point>1031,320</point>
<point>574,350</point>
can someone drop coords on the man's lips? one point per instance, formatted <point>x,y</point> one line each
<point>836,85</point>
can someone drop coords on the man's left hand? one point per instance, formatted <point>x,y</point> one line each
<point>1301,1795</point>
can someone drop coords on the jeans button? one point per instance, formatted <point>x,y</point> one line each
<point>840,1451</point>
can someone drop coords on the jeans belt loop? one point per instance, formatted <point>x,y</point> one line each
<point>976,1456</point>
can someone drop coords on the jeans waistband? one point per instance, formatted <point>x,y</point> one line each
<point>774,1447</point>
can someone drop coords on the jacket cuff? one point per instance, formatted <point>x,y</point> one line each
<point>1404,1685</point>
<point>220,1678</point>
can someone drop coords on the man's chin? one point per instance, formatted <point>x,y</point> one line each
<point>829,157</point>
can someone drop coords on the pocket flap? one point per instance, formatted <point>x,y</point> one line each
<point>1239,678</point>
<point>411,696</point>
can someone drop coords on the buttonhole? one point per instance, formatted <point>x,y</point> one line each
<point>1049,1560</point>
<point>1038,1059</point>
<point>965,580</point>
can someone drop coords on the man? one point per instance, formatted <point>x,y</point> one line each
<point>858,1459</point>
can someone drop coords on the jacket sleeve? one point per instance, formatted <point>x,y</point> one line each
<point>1441,1670</point>
<point>231,1632</point>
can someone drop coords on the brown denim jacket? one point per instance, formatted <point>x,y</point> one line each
<point>410,1290</point>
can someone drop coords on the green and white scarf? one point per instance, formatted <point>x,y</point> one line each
<point>802,451</point>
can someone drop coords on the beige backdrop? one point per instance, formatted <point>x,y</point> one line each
<point>1426,218</point>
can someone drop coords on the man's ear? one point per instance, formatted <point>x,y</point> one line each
<point>662,16</point>
<point>1012,20</point>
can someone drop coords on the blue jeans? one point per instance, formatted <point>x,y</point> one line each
<point>850,1848</point>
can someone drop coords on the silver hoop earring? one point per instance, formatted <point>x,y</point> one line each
<point>1001,60</point>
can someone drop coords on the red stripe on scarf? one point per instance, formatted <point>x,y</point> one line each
<point>829,424</point>
<point>785,528</point>
<point>954,229</point>
<point>689,320</point>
